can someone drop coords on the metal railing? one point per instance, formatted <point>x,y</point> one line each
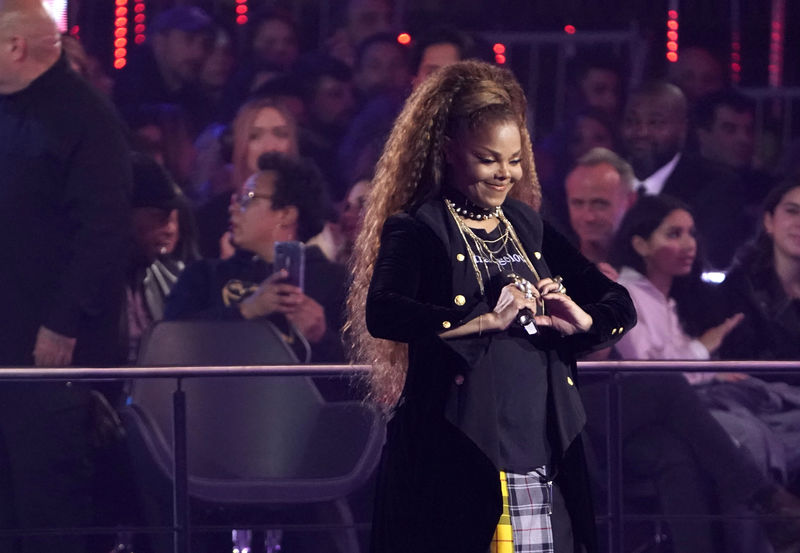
<point>614,515</point>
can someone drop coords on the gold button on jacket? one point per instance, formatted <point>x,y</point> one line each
<point>445,324</point>
<point>460,300</point>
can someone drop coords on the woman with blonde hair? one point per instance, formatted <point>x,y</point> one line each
<point>456,304</point>
<point>262,125</point>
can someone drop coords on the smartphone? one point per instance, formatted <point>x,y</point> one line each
<point>292,257</point>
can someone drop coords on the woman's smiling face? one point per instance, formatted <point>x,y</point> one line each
<point>486,163</point>
<point>671,248</point>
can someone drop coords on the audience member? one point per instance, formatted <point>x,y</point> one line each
<point>437,48</point>
<point>556,156</point>
<point>362,18</point>
<point>168,69</point>
<point>595,81</point>
<point>338,237</point>
<point>599,193</point>
<point>261,126</point>
<point>64,212</point>
<point>272,40</point>
<point>329,99</point>
<point>697,73</point>
<point>86,66</point>
<point>217,70</point>
<point>162,132</point>
<point>654,131</point>
<point>284,200</point>
<point>164,241</point>
<point>764,284</point>
<point>362,145</point>
<point>657,255</point>
<point>381,67</point>
<point>725,129</point>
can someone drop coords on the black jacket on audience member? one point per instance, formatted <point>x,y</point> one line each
<point>770,329</point>
<point>716,197</point>
<point>213,288</point>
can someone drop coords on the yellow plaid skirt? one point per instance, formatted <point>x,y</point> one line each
<point>525,524</point>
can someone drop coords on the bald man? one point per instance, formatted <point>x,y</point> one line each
<point>654,131</point>
<point>64,185</point>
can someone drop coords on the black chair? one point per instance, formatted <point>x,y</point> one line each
<point>261,445</point>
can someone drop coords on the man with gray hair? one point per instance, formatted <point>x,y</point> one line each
<point>599,192</point>
<point>64,226</point>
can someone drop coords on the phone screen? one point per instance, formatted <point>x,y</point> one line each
<point>291,256</point>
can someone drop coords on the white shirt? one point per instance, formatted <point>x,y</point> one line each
<point>654,184</point>
<point>658,333</point>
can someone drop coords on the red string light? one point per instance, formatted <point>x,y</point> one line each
<point>672,35</point>
<point>404,39</point>
<point>120,34</point>
<point>569,29</point>
<point>241,12</point>
<point>140,22</point>
<point>775,67</point>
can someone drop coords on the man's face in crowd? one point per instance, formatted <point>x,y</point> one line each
<point>275,42</point>
<point>383,68</point>
<point>367,17</point>
<point>653,130</point>
<point>435,57</point>
<point>697,73</point>
<point>597,200</point>
<point>600,89</point>
<point>730,139</point>
<point>333,102</point>
<point>182,53</point>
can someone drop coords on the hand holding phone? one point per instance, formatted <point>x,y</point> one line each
<point>291,257</point>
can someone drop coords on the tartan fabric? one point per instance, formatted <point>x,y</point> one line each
<point>524,526</point>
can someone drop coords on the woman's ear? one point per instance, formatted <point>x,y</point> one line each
<point>640,246</point>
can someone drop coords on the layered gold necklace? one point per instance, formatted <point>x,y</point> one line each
<point>489,249</point>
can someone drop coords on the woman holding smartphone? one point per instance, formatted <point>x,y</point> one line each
<point>283,201</point>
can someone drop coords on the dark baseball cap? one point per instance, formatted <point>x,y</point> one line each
<point>152,185</point>
<point>183,18</point>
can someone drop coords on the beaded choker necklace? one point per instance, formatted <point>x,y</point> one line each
<point>484,247</point>
<point>469,210</point>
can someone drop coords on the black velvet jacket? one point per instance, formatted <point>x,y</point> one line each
<point>438,485</point>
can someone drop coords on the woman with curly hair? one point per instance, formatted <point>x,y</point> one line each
<point>456,304</point>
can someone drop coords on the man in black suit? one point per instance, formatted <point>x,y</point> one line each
<point>654,131</point>
<point>725,129</point>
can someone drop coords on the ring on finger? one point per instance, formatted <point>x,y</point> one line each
<point>559,280</point>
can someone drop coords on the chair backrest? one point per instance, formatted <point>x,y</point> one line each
<point>237,427</point>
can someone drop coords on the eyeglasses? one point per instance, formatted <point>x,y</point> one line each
<point>244,199</point>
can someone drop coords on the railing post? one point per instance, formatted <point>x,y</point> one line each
<point>180,488</point>
<point>614,448</point>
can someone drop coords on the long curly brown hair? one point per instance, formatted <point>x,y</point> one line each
<point>411,170</point>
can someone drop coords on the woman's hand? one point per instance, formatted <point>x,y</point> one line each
<point>713,337</point>
<point>509,304</point>
<point>563,314</point>
<point>268,297</point>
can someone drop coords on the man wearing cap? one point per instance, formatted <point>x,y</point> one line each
<point>64,230</point>
<point>162,247</point>
<point>167,69</point>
